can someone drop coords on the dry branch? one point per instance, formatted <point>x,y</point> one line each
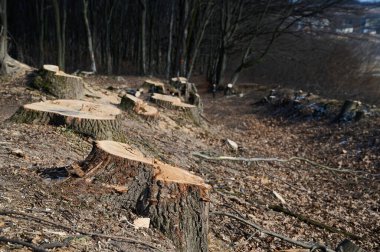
<point>310,246</point>
<point>309,221</point>
<point>73,230</point>
<point>23,243</point>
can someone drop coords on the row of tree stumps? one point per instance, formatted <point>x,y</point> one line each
<point>176,201</point>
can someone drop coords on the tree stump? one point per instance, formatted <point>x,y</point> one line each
<point>96,120</point>
<point>64,86</point>
<point>116,165</point>
<point>171,102</point>
<point>178,205</point>
<point>176,201</point>
<point>132,103</point>
<point>152,86</point>
<point>349,111</point>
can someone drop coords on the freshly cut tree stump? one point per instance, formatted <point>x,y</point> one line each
<point>152,86</point>
<point>64,86</point>
<point>117,165</point>
<point>132,103</point>
<point>96,120</point>
<point>176,201</point>
<point>171,102</point>
<point>178,205</point>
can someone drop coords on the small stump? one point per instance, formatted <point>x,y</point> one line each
<point>171,102</point>
<point>64,86</point>
<point>96,120</point>
<point>176,201</point>
<point>154,86</point>
<point>132,103</point>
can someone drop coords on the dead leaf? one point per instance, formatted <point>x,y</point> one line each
<point>141,223</point>
<point>278,196</point>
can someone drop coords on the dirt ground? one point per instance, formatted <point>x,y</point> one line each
<point>33,178</point>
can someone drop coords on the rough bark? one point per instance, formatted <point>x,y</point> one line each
<point>176,201</point>
<point>51,80</point>
<point>178,205</point>
<point>117,165</point>
<point>96,120</point>
<point>132,103</point>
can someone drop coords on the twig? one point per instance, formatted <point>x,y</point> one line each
<point>310,246</point>
<point>23,243</point>
<point>309,221</point>
<point>315,164</point>
<point>74,230</point>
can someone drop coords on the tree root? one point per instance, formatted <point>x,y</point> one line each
<point>312,247</point>
<point>315,164</point>
<point>73,230</point>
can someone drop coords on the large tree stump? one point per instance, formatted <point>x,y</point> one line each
<point>178,206</point>
<point>96,120</point>
<point>132,103</point>
<point>171,102</point>
<point>116,165</point>
<point>176,201</point>
<point>64,86</point>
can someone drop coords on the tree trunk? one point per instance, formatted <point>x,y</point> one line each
<point>3,36</point>
<point>89,36</point>
<point>58,33</point>
<point>143,36</point>
<point>96,120</point>
<point>108,39</point>
<point>176,201</point>
<point>41,20</point>
<point>200,33</point>
<point>53,81</point>
<point>170,44</point>
<point>8,65</point>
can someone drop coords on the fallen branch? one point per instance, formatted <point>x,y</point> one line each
<point>315,164</point>
<point>309,221</point>
<point>74,230</point>
<point>312,247</point>
<point>23,243</point>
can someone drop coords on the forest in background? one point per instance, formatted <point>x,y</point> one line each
<point>219,39</point>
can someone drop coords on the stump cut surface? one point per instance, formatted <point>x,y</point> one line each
<point>97,120</point>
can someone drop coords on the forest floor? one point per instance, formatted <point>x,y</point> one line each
<point>32,177</point>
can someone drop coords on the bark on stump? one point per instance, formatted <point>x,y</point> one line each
<point>132,103</point>
<point>64,86</point>
<point>349,111</point>
<point>171,102</point>
<point>152,86</point>
<point>176,201</point>
<point>96,120</point>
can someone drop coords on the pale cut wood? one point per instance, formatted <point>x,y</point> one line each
<point>176,201</point>
<point>96,120</point>
<point>132,103</point>
<point>64,86</point>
